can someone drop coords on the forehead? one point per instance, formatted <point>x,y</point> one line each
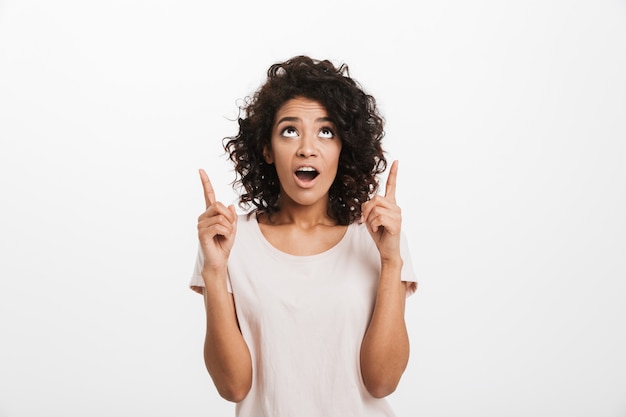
<point>301,107</point>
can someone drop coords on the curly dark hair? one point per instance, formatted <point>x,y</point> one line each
<point>354,113</point>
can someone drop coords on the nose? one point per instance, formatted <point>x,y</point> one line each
<point>307,146</point>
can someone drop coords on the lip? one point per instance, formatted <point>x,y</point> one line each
<point>302,183</point>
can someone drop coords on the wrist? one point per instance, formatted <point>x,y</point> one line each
<point>393,262</point>
<point>214,273</point>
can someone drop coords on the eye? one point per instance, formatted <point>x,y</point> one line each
<point>327,133</point>
<point>289,132</point>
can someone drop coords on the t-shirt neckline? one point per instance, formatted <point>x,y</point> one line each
<point>288,256</point>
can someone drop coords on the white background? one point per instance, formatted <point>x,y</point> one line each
<point>509,121</point>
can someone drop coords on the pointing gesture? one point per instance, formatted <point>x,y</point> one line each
<point>390,188</point>
<point>209,194</point>
<point>217,227</point>
<point>383,217</point>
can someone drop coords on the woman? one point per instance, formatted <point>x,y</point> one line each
<point>305,294</point>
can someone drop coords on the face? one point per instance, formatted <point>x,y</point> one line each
<point>305,150</point>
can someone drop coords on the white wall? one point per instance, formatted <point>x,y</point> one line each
<point>509,122</point>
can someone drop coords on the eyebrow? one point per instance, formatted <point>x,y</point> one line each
<point>297,119</point>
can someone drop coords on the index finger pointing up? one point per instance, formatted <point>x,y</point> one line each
<point>209,194</point>
<point>390,188</point>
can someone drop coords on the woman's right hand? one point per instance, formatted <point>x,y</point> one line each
<point>217,227</point>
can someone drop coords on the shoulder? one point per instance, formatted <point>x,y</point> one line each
<point>247,228</point>
<point>246,219</point>
<point>246,223</point>
<point>361,238</point>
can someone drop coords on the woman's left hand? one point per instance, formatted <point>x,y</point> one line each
<point>383,218</point>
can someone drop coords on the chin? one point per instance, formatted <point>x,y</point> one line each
<point>304,200</point>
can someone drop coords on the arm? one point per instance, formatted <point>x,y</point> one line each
<point>385,346</point>
<point>226,354</point>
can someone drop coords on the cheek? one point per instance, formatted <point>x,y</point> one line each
<point>337,152</point>
<point>281,163</point>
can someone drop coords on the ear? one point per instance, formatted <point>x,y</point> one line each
<point>268,155</point>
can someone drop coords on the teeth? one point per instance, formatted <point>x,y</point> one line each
<point>307,169</point>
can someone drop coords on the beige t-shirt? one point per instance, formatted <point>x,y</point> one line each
<point>303,319</point>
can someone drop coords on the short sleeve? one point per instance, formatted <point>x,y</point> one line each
<point>197,283</point>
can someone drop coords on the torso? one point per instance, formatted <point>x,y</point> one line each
<point>303,317</point>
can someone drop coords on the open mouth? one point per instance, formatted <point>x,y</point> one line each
<point>306,173</point>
